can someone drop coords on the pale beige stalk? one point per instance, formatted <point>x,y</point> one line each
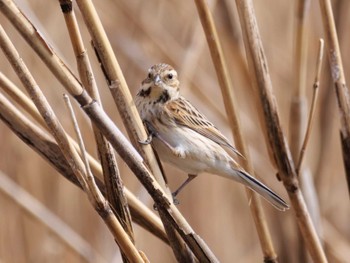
<point>228,97</point>
<point>114,185</point>
<point>275,139</point>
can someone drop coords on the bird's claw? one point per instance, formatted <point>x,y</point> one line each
<point>151,133</point>
<point>155,207</point>
<point>175,200</point>
<point>148,140</point>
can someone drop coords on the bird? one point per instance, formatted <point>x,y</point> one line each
<point>182,136</point>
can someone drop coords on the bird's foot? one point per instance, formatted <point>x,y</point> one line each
<point>151,133</point>
<point>175,200</point>
<point>148,140</point>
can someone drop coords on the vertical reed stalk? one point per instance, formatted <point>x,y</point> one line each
<point>274,136</point>
<point>298,107</point>
<point>112,179</point>
<point>341,89</point>
<point>228,97</point>
<point>119,89</point>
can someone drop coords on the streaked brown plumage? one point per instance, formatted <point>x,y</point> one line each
<point>185,138</point>
<point>187,115</point>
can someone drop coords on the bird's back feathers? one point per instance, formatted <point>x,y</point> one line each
<point>185,114</point>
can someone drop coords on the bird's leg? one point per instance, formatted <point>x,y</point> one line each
<point>189,179</point>
<point>148,140</point>
<point>151,133</point>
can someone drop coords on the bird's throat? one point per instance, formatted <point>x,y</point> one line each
<point>145,93</point>
<point>164,97</point>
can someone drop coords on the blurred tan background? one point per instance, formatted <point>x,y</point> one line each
<point>143,33</point>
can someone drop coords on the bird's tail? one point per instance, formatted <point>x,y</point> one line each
<point>262,190</point>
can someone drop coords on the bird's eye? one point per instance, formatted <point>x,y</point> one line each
<point>170,76</point>
<point>149,75</point>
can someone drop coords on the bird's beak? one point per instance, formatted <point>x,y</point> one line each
<point>157,80</point>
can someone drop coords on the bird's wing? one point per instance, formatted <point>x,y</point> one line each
<point>183,113</point>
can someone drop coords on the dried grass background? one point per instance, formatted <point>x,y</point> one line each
<point>143,33</point>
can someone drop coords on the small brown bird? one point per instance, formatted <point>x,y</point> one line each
<point>185,138</point>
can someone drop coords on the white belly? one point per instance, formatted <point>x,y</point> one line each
<point>194,153</point>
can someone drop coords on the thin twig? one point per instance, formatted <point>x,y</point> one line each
<point>313,104</point>
<point>38,98</point>
<point>275,139</point>
<point>305,178</point>
<point>228,97</point>
<point>99,202</point>
<point>88,175</point>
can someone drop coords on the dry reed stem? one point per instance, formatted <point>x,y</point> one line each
<point>119,89</point>
<point>181,250</point>
<point>112,133</point>
<point>315,86</point>
<point>101,205</point>
<point>228,97</point>
<point>38,211</point>
<point>134,161</point>
<point>341,89</point>
<point>36,138</point>
<point>42,48</point>
<point>328,101</point>
<point>38,98</point>
<point>22,99</point>
<point>69,152</point>
<point>190,61</point>
<point>123,100</point>
<point>237,43</point>
<point>298,110</point>
<point>49,150</point>
<point>113,183</point>
<point>46,53</point>
<point>275,138</point>
<point>305,177</point>
<point>301,43</point>
<point>297,119</point>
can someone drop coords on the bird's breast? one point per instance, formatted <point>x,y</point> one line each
<point>190,151</point>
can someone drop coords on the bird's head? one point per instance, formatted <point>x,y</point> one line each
<point>161,84</point>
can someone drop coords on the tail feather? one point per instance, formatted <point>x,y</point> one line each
<point>263,190</point>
